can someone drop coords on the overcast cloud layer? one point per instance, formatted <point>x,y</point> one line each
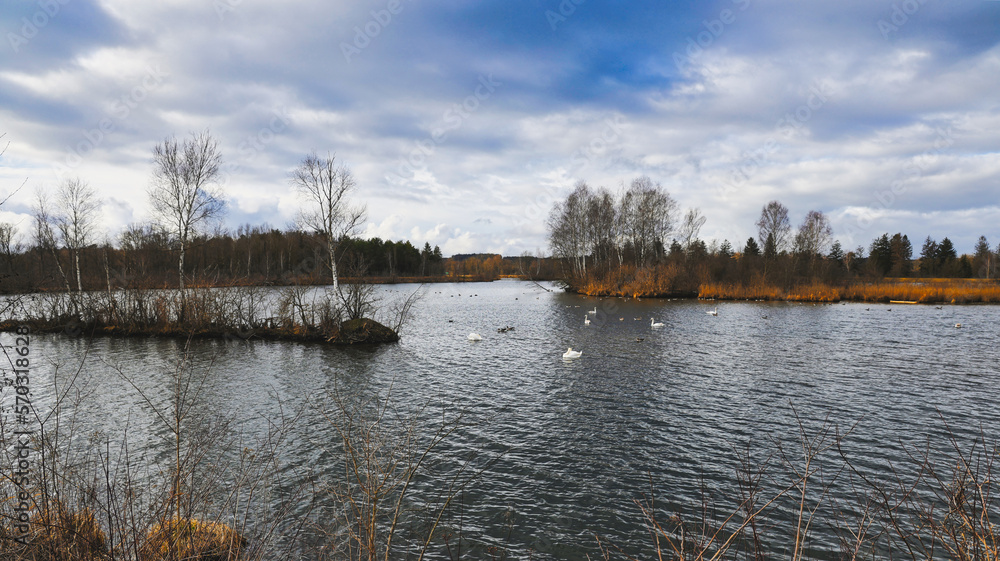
<point>463,121</point>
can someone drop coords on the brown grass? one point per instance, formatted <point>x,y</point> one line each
<point>924,291</point>
<point>181,538</point>
<point>630,282</point>
<point>58,534</point>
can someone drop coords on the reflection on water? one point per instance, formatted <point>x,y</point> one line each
<point>578,441</point>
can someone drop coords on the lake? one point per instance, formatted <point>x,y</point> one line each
<point>565,448</point>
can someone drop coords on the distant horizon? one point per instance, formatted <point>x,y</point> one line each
<point>464,123</point>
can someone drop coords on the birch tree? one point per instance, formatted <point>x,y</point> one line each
<point>185,193</point>
<point>326,186</point>
<point>648,216</point>
<point>45,233</point>
<point>77,207</point>
<point>690,227</point>
<point>774,223</point>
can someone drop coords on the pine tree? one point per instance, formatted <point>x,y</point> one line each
<point>751,249</point>
<point>836,252</point>
<point>770,247</point>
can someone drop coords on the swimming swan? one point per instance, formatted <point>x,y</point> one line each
<point>653,323</point>
<point>594,311</point>
<point>475,337</point>
<point>714,312</point>
<point>586,320</point>
<point>570,353</point>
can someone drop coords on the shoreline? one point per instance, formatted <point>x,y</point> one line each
<point>351,333</point>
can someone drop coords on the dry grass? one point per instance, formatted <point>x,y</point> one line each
<point>58,534</point>
<point>925,291</point>
<point>181,538</point>
<point>731,291</point>
<point>630,282</point>
<point>955,291</point>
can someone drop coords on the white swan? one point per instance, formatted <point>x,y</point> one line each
<point>475,337</point>
<point>586,320</point>
<point>570,353</point>
<point>594,311</point>
<point>714,312</point>
<point>654,323</point>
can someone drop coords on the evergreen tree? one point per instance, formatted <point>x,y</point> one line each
<point>901,255</point>
<point>984,262</point>
<point>836,252</point>
<point>929,257</point>
<point>880,255</point>
<point>726,249</point>
<point>770,247</point>
<point>964,267</point>
<point>751,249</point>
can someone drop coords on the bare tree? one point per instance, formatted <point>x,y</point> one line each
<point>648,215</point>
<point>569,233</point>
<point>690,226</point>
<point>814,236</point>
<point>77,206</point>
<point>774,222</point>
<point>602,225</point>
<point>326,185</point>
<point>45,233</point>
<point>9,243</point>
<point>185,193</point>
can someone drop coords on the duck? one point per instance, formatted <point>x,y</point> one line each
<point>475,337</point>
<point>570,353</point>
<point>654,323</point>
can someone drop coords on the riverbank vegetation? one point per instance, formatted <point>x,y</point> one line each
<point>636,244</point>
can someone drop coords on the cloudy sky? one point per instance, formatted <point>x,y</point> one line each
<point>462,121</point>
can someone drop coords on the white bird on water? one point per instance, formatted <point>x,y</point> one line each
<point>586,320</point>
<point>958,326</point>
<point>570,353</point>
<point>475,337</point>
<point>714,312</point>
<point>654,323</point>
<point>594,311</point>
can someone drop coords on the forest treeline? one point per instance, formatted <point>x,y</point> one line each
<point>146,257</point>
<point>637,243</point>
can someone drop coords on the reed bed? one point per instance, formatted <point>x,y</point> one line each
<point>917,290</point>
<point>631,282</point>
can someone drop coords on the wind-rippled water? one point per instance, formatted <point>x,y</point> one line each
<point>575,443</point>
